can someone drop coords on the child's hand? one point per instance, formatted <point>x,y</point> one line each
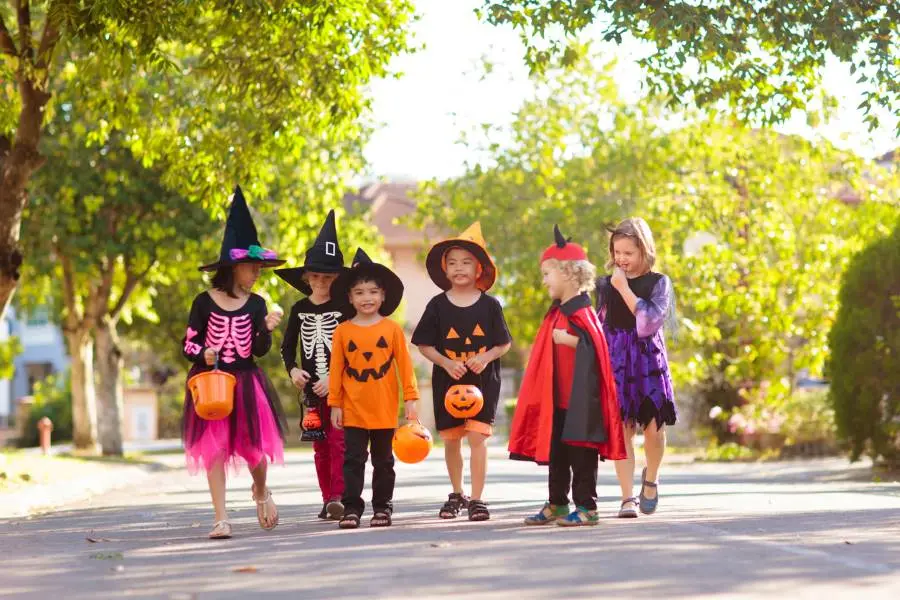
<point>320,388</point>
<point>560,336</point>
<point>299,377</point>
<point>337,417</point>
<point>209,355</point>
<point>618,278</point>
<point>454,368</point>
<point>411,413</point>
<point>477,363</point>
<point>273,319</point>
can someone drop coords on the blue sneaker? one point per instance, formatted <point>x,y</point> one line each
<point>580,517</point>
<point>648,505</point>
<point>548,514</point>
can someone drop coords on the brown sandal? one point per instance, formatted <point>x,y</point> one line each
<point>349,521</point>
<point>381,519</point>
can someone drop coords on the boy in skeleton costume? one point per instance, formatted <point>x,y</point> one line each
<point>310,329</point>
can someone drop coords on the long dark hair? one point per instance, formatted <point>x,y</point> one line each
<point>223,280</point>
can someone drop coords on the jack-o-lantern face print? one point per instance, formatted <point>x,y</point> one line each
<point>463,401</point>
<point>461,346</point>
<point>359,361</point>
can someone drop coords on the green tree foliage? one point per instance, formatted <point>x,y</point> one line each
<point>213,92</point>
<point>101,227</point>
<point>764,59</point>
<point>9,349</point>
<point>864,366</point>
<point>753,227</point>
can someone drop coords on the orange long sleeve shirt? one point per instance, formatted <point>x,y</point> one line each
<point>371,373</point>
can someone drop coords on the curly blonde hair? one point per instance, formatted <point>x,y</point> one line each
<point>636,229</point>
<point>581,271</point>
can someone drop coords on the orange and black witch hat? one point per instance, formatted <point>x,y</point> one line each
<point>471,240</point>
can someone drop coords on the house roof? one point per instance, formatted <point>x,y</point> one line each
<point>387,202</point>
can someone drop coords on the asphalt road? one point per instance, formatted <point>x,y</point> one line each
<point>819,529</point>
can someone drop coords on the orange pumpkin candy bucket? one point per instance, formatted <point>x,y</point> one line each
<point>213,394</point>
<point>412,443</point>
<point>463,401</point>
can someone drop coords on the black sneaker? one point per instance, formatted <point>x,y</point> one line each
<point>324,514</point>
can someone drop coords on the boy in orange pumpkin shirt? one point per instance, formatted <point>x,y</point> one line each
<point>371,368</point>
<point>463,332</point>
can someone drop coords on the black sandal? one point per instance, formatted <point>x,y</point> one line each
<point>478,511</point>
<point>382,518</point>
<point>349,521</point>
<point>452,507</point>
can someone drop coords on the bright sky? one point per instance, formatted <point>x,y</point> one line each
<point>441,94</point>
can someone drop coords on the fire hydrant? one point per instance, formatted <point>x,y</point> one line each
<point>44,426</point>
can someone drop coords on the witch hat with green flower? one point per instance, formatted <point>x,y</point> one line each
<point>241,242</point>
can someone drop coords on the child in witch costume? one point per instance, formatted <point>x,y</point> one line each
<point>463,332</point>
<point>310,328</point>
<point>567,415</point>
<point>634,303</point>
<point>228,326</point>
<point>370,371</point>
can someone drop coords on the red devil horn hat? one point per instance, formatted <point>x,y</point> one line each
<point>563,249</point>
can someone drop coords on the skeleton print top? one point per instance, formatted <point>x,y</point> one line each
<point>238,335</point>
<point>310,329</point>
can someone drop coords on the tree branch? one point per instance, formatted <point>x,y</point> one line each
<point>49,39</point>
<point>24,14</point>
<point>72,316</point>
<point>7,45</point>
<point>101,293</point>
<point>132,280</point>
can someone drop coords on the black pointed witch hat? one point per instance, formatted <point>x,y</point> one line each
<point>241,242</point>
<point>323,257</point>
<point>363,265</point>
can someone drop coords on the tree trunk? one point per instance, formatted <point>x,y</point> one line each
<point>109,392</point>
<point>84,402</point>
<point>19,159</point>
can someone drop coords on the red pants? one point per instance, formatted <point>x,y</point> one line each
<point>329,457</point>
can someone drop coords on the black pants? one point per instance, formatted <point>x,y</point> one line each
<point>356,452</point>
<point>571,466</point>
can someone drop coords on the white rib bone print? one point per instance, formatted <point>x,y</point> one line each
<point>316,331</point>
<point>230,336</point>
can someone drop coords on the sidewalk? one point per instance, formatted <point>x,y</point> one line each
<point>34,483</point>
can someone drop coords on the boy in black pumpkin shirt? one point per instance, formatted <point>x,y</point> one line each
<point>463,333</point>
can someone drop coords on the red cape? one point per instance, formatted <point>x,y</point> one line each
<point>532,424</point>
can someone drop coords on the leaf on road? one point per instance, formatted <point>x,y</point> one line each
<point>94,540</point>
<point>108,556</point>
<point>248,569</point>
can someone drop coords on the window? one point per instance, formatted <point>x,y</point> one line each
<point>37,372</point>
<point>39,316</point>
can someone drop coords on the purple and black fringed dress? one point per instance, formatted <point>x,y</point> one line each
<point>637,348</point>
<point>255,429</point>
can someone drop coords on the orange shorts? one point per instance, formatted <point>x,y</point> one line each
<point>460,431</point>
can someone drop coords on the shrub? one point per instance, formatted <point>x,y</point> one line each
<point>52,399</point>
<point>864,365</point>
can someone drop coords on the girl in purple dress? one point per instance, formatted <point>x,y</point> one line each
<point>633,304</point>
<point>229,326</point>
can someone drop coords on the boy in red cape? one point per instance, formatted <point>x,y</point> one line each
<point>567,416</point>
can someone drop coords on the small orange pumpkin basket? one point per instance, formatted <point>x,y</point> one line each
<point>213,394</point>
<point>463,401</point>
<point>412,443</point>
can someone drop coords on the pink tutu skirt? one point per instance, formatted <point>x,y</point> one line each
<point>253,432</point>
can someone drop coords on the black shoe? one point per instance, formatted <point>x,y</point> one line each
<point>324,514</point>
<point>452,507</point>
